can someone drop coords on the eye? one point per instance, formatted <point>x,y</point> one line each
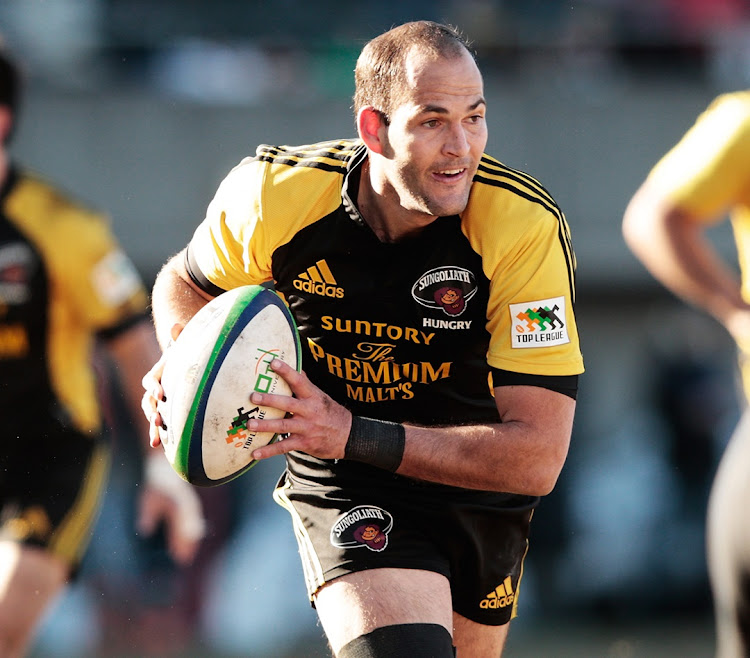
<point>431,123</point>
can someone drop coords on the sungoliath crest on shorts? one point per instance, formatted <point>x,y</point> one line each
<point>365,525</point>
<point>539,323</point>
<point>447,288</point>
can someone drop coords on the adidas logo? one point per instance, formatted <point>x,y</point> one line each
<point>501,596</point>
<point>319,280</point>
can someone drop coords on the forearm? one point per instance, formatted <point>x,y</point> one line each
<point>174,299</point>
<point>523,453</point>
<point>510,457</point>
<point>672,246</point>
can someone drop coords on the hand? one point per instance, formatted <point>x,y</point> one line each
<point>166,497</point>
<point>154,392</point>
<point>316,425</point>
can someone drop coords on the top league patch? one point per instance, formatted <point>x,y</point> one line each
<point>540,323</point>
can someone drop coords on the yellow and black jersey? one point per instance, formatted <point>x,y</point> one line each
<point>707,172</point>
<point>63,279</point>
<point>407,331</point>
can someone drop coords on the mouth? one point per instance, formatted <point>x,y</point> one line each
<point>449,174</point>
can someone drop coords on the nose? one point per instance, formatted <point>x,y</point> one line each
<point>457,143</point>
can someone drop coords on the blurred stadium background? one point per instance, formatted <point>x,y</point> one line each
<point>141,107</point>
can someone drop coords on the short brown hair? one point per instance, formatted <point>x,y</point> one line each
<point>380,74</point>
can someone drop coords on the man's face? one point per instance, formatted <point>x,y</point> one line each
<point>437,135</point>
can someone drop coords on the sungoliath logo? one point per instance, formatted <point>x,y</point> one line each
<point>448,288</point>
<point>365,525</point>
<point>539,324</point>
<point>318,280</point>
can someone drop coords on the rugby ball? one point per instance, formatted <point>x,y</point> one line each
<point>221,356</point>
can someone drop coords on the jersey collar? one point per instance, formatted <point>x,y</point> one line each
<point>350,186</point>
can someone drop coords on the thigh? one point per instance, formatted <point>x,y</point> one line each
<point>478,540</point>
<point>30,578</point>
<point>357,603</point>
<point>473,640</point>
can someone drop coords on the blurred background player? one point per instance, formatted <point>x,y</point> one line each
<point>66,288</point>
<point>704,179</point>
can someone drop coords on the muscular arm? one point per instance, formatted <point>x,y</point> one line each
<point>672,244</point>
<point>174,299</point>
<point>524,454</point>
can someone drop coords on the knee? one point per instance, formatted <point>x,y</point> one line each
<point>401,641</point>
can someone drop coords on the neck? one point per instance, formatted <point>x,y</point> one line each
<point>382,211</point>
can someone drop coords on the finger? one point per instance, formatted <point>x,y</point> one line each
<point>176,330</point>
<point>151,398</point>
<point>282,402</point>
<point>148,381</point>
<point>155,423</point>
<point>274,425</point>
<point>297,381</point>
<point>148,405</point>
<point>153,376</point>
<point>279,448</point>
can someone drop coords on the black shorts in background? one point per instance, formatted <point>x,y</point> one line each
<point>52,483</point>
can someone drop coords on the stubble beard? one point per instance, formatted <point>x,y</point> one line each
<point>415,198</point>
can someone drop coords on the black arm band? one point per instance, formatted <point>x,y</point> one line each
<point>376,442</point>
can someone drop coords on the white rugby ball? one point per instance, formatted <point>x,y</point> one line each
<point>222,355</point>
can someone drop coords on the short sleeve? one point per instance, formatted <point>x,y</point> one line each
<point>706,172</point>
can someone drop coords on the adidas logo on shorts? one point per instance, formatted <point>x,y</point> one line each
<point>500,597</point>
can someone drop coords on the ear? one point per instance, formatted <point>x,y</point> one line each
<point>370,126</point>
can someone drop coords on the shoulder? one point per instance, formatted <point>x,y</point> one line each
<point>301,181</point>
<point>499,184</point>
<point>51,214</point>
<point>509,199</point>
<point>35,195</point>
<point>724,122</point>
<point>288,178</point>
<point>733,104</point>
<point>331,157</point>
<point>708,166</point>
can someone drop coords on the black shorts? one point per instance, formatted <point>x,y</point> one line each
<point>51,486</point>
<point>355,517</point>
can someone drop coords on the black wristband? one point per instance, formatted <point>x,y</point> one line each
<point>376,442</point>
